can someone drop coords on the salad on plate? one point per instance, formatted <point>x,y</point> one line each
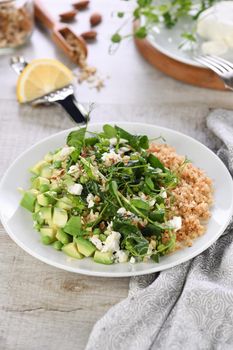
<point>117,197</point>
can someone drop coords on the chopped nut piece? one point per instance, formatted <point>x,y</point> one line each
<point>16,24</point>
<point>90,35</point>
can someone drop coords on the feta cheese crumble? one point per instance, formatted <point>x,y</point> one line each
<point>175,223</point>
<point>132,260</point>
<point>97,242</point>
<point>112,243</point>
<point>163,193</point>
<point>64,152</point>
<point>121,256</point>
<point>90,200</point>
<point>75,189</point>
<point>111,158</point>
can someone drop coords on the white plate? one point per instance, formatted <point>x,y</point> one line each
<point>167,41</point>
<point>18,222</point>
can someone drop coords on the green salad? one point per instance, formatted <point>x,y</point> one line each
<point>103,195</point>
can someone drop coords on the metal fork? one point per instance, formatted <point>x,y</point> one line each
<point>223,68</point>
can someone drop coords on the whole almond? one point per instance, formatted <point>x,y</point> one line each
<point>81,5</point>
<point>90,35</point>
<point>95,19</point>
<point>68,16</point>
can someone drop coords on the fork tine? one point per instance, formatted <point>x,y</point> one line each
<point>216,60</point>
<point>222,60</point>
<point>202,60</point>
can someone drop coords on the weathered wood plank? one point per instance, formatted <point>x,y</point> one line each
<point>46,308</point>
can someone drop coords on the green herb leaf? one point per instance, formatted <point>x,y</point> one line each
<point>116,38</point>
<point>109,131</point>
<point>136,245</point>
<point>141,33</point>
<point>140,204</point>
<point>76,138</point>
<point>120,14</point>
<point>155,162</point>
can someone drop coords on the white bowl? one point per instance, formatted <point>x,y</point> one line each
<point>18,222</point>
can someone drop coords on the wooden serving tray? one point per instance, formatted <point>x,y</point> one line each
<point>186,73</point>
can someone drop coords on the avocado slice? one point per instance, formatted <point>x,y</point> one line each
<point>103,257</point>
<point>62,236</point>
<point>36,169</point>
<point>48,231</point>
<point>46,213</point>
<point>48,157</point>
<point>71,250</point>
<point>64,203</point>
<point>73,226</point>
<point>38,181</point>
<point>37,207</point>
<point>38,218</point>
<point>43,200</point>
<point>85,247</point>
<point>57,245</point>
<point>46,172</point>
<point>28,201</point>
<point>47,198</point>
<point>60,217</point>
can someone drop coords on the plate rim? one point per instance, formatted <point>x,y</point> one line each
<point>114,274</point>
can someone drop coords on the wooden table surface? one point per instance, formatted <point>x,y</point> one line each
<point>43,307</point>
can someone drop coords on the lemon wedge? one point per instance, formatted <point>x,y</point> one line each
<point>40,77</point>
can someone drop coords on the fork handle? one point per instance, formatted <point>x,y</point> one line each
<point>74,109</point>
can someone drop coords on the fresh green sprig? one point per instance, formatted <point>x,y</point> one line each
<point>167,13</point>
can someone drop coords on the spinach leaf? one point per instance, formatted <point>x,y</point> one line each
<point>109,131</point>
<point>152,230</point>
<point>143,141</point>
<point>155,162</point>
<point>125,227</point>
<point>137,245</point>
<point>136,142</point>
<point>157,215</point>
<point>140,204</point>
<point>149,183</point>
<point>76,138</point>
<point>91,141</point>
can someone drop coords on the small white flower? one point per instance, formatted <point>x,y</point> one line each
<point>97,242</point>
<point>75,189</point>
<point>112,242</point>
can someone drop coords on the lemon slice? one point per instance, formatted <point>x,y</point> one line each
<point>40,77</point>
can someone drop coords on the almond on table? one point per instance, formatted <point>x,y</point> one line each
<point>68,16</point>
<point>89,35</point>
<point>81,5</point>
<point>95,19</point>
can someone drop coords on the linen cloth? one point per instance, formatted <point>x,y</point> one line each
<point>189,306</point>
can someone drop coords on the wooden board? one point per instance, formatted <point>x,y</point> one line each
<point>178,70</point>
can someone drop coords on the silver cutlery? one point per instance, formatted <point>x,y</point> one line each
<point>63,97</point>
<point>222,67</point>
